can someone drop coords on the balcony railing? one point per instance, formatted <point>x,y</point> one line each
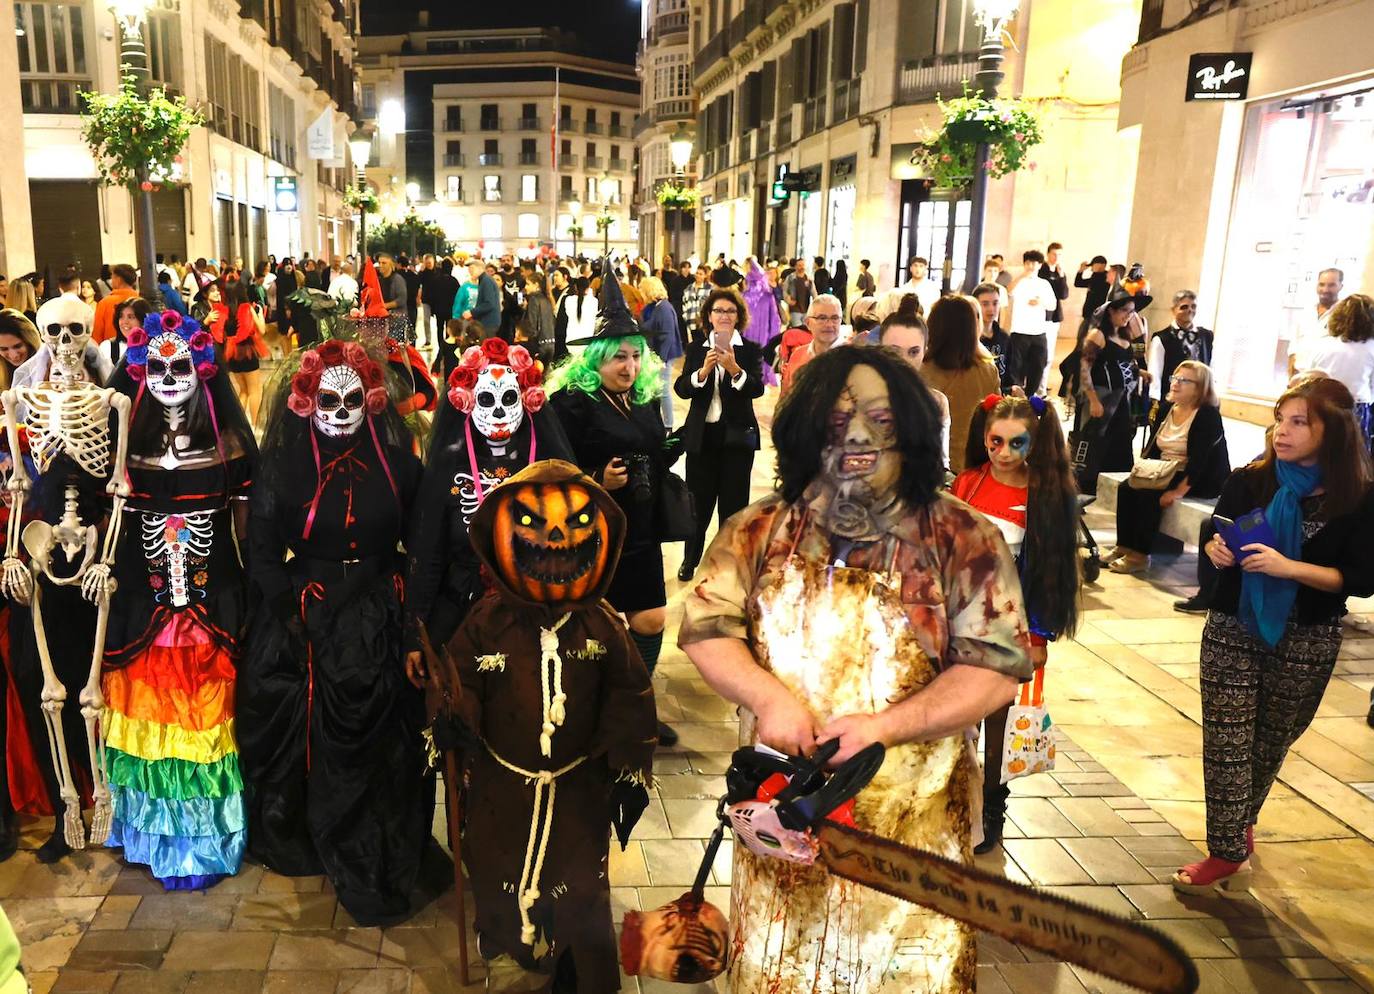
<point>712,52</point>
<point>846,102</point>
<point>452,124</point>
<point>528,124</point>
<point>595,162</point>
<point>618,131</point>
<point>490,124</point>
<point>593,128</point>
<point>918,82</point>
<point>529,158</point>
<point>669,24</point>
<point>568,161</point>
<point>619,165</point>
<point>461,197</point>
<point>567,196</point>
<point>784,130</point>
<point>813,116</point>
<point>567,126</point>
<point>746,20</point>
<point>746,146</point>
<point>44,93</point>
<point>761,135</point>
<point>455,160</point>
<point>489,159</point>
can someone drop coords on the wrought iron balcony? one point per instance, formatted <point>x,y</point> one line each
<point>455,160</point>
<point>489,159</point>
<point>528,124</point>
<point>529,158</point>
<point>920,82</point>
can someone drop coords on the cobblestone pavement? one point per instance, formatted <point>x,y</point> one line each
<point>1122,811</point>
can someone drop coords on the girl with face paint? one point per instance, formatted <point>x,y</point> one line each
<point>1016,449</point>
<point>330,728</point>
<point>172,644</point>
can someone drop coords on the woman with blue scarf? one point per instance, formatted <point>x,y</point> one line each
<point>1274,629</point>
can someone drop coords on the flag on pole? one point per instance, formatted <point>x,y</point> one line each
<point>553,159</point>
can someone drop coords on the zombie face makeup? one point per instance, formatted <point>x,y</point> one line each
<point>341,402</point>
<point>171,374</point>
<point>861,462</point>
<point>1008,442</point>
<point>498,412</point>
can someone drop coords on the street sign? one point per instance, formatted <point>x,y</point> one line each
<point>284,197</point>
<point>1218,76</point>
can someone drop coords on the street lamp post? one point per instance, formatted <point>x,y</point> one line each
<point>133,61</point>
<point>575,210</point>
<point>412,197</point>
<point>992,16</point>
<point>680,151</point>
<point>361,147</point>
<point>605,217</point>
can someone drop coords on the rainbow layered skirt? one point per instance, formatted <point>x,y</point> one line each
<point>171,758</point>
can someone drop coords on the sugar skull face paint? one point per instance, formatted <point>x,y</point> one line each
<point>342,401</point>
<point>171,370</point>
<point>1008,442</point>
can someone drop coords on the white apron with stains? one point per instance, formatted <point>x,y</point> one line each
<point>839,640</point>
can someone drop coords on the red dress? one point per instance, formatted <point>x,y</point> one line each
<point>1004,506</point>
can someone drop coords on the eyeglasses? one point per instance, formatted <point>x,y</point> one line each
<point>724,310</point>
<point>1181,379</point>
<point>825,318</point>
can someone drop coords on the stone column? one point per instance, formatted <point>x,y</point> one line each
<point>16,217</point>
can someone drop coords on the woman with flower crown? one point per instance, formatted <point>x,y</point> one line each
<point>492,423</point>
<point>173,639</point>
<point>330,737</point>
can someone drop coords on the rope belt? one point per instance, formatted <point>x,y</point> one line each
<point>545,781</point>
<point>551,681</point>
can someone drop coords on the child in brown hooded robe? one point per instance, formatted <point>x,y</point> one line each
<point>561,702</point>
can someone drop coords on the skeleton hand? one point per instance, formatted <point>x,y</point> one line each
<point>97,583</point>
<point>15,580</point>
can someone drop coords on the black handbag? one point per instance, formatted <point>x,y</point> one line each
<point>677,519</point>
<point>737,437</point>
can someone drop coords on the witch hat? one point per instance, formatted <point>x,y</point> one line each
<point>1120,297</point>
<point>613,317</point>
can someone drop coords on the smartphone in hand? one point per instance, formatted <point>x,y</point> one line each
<point>1249,529</point>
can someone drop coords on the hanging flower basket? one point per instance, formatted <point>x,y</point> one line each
<point>133,137</point>
<point>1009,127</point>
<point>684,198</point>
<point>360,199</point>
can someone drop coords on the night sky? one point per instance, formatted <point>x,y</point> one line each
<point>608,29</point>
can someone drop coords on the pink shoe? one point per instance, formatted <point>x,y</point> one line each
<point>1214,874</point>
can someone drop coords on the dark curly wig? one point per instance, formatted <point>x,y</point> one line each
<point>801,425</point>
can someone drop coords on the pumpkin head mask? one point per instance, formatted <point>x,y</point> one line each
<point>550,536</point>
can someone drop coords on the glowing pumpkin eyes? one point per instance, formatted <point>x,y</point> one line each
<point>526,520</point>
<point>584,518</point>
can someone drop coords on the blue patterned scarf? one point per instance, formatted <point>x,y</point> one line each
<point>1267,601</point>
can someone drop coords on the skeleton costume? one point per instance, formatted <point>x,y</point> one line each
<point>330,728</point>
<point>561,702</point>
<point>67,582</point>
<point>855,600</point>
<point>173,641</point>
<point>493,425</point>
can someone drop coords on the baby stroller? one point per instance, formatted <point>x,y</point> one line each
<point>1088,551</point>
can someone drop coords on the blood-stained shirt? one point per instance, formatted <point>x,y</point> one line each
<point>959,585</point>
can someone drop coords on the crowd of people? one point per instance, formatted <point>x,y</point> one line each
<point>304,522</point>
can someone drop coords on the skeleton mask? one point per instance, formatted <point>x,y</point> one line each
<point>65,324</point>
<point>341,403</point>
<point>498,413</point>
<point>171,371</point>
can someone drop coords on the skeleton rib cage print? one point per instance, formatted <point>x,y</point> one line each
<point>74,422</point>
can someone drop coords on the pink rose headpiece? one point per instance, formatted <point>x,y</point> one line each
<point>305,385</point>
<point>529,374</point>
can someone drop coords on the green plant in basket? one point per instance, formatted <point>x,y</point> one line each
<point>137,140</point>
<point>1009,127</point>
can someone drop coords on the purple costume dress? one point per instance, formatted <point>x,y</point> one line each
<point>764,322</point>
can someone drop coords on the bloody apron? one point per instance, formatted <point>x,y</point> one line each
<point>839,640</point>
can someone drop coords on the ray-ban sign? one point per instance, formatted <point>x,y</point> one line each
<point>1218,76</point>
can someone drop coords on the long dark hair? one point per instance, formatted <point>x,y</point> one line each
<point>952,333</point>
<point>1344,461</point>
<point>1049,555</point>
<point>232,295</point>
<point>803,419</point>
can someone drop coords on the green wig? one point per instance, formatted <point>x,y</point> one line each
<point>582,372</point>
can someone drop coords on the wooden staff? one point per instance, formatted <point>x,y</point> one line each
<point>445,685</point>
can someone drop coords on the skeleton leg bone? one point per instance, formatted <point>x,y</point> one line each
<point>92,706</point>
<point>54,697</point>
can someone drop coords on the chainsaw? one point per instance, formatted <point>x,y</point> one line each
<point>791,808</point>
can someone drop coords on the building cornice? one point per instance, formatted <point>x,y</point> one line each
<point>1265,12</point>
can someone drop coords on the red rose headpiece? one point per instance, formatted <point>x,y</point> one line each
<point>529,374</point>
<point>305,385</point>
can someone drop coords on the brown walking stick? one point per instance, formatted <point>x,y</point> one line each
<point>443,695</point>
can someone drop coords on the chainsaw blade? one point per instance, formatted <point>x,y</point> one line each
<point>1115,947</point>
